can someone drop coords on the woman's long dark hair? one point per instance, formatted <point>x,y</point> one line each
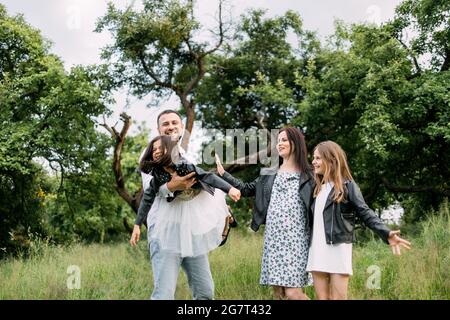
<point>297,140</point>
<point>170,154</point>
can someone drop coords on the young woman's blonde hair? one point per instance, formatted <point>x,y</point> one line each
<point>334,161</point>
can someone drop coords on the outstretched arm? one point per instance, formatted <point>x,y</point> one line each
<point>247,189</point>
<point>371,220</point>
<point>368,217</point>
<point>214,181</point>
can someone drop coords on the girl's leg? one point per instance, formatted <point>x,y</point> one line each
<point>339,286</point>
<point>295,294</point>
<point>321,285</point>
<point>278,292</point>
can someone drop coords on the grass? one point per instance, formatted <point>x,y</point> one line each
<point>117,271</point>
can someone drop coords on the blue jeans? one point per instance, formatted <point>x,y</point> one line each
<point>166,267</point>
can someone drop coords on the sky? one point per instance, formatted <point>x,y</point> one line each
<point>69,25</point>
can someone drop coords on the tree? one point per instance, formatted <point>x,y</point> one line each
<point>253,85</point>
<point>390,114</point>
<point>429,22</point>
<point>47,116</point>
<point>155,51</point>
<point>382,97</point>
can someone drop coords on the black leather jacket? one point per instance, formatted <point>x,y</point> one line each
<point>339,218</point>
<point>261,189</point>
<point>205,181</point>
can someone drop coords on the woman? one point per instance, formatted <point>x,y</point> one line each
<point>337,202</point>
<point>282,200</point>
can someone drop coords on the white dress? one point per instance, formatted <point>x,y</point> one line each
<point>323,257</point>
<point>192,224</point>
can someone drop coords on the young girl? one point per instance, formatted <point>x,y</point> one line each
<point>337,201</point>
<point>191,222</point>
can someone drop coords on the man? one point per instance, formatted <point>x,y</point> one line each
<point>166,265</point>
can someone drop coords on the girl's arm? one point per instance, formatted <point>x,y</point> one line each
<point>247,189</point>
<point>368,217</point>
<point>214,181</point>
<point>373,222</point>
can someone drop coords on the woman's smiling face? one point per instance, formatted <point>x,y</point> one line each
<point>283,145</point>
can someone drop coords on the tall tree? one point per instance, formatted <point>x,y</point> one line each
<point>253,84</point>
<point>47,114</point>
<point>388,107</point>
<point>156,51</point>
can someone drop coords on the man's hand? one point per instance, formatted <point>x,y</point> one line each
<point>181,183</point>
<point>135,235</point>
<point>234,194</point>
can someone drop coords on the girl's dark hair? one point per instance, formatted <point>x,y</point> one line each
<point>297,140</point>
<point>170,154</point>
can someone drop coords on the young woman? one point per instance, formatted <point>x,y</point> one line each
<point>282,199</point>
<point>337,201</point>
<point>183,226</point>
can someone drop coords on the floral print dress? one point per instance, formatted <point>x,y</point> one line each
<point>286,236</point>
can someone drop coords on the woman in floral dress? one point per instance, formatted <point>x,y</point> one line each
<point>282,200</point>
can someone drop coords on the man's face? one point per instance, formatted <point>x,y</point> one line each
<point>170,124</point>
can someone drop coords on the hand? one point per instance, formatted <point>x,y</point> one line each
<point>220,169</point>
<point>234,194</point>
<point>135,235</point>
<point>396,242</point>
<point>181,183</point>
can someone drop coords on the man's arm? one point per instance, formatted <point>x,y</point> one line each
<point>180,183</point>
<point>146,202</point>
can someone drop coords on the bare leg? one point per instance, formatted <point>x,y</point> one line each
<point>295,294</point>
<point>278,292</point>
<point>321,285</point>
<point>339,286</point>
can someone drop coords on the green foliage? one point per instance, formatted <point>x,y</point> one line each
<point>252,83</point>
<point>429,21</point>
<point>384,99</point>
<point>21,208</point>
<point>90,209</point>
<point>48,116</point>
<point>151,46</point>
<point>393,123</point>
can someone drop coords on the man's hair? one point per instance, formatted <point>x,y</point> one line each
<point>167,112</point>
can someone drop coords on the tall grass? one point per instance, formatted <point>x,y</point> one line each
<point>117,271</point>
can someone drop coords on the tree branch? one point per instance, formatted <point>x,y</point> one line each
<point>446,65</point>
<point>416,64</point>
<point>157,81</point>
<point>221,33</point>
<point>133,201</point>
